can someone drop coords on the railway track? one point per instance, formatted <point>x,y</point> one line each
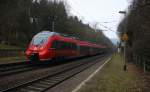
<point>48,81</point>
<point>14,68</point>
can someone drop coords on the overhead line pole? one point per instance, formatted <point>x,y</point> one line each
<point>125,38</point>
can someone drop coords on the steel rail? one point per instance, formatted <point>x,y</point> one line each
<point>46,82</point>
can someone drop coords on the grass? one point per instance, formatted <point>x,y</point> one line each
<point>112,78</point>
<point>4,46</point>
<point>12,59</point>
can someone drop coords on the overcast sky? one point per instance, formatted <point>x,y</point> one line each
<point>103,12</point>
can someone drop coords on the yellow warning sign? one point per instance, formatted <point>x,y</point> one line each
<point>125,37</point>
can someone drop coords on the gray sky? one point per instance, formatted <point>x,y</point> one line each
<point>99,11</point>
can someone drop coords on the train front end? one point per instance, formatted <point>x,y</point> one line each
<point>39,46</point>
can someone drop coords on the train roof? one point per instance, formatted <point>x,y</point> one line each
<point>85,43</point>
<point>48,33</point>
<point>56,33</point>
<point>69,39</point>
<point>79,42</point>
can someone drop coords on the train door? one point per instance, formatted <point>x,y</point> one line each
<point>78,50</point>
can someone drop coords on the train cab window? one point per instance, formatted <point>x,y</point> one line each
<point>41,38</point>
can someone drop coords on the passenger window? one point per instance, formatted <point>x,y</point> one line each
<point>55,44</point>
<point>63,45</point>
<point>73,46</point>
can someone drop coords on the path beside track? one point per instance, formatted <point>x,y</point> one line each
<point>112,78</point>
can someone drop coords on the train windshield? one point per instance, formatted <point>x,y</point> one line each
<point>41,38</point>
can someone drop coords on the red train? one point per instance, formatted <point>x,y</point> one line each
<point>51,45</point>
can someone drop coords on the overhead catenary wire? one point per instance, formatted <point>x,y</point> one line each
<point>80,15</point>
<point>86,13</point>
